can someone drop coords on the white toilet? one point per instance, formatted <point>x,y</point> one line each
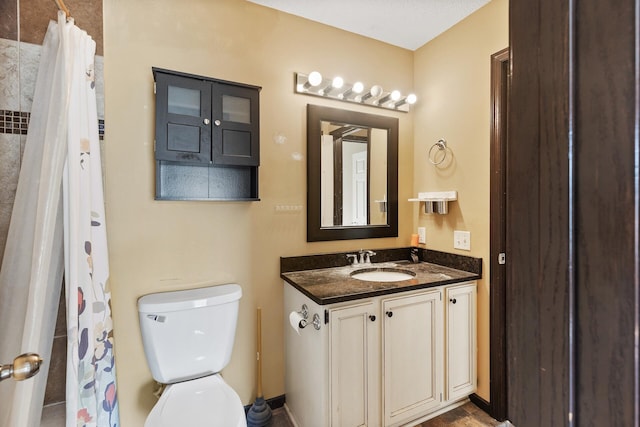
<point>188,338</point>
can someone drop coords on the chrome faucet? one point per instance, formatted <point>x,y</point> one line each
<point>365,256</point>
<point>362,257</point>
<point>352,259</point>
<point>414,255</point>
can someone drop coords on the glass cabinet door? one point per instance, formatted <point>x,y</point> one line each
<point>236,125</point>
<point>183,125</point>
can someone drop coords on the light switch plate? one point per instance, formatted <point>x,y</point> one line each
<point>462,240</point>
<point>422,235</point>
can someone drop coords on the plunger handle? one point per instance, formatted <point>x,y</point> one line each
<point>259,354</point>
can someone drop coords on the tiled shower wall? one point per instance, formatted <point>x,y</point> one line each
<point>23,24</point>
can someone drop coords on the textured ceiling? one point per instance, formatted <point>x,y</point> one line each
<point>404,23</point>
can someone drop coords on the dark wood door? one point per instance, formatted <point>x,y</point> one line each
<point>573,214</point>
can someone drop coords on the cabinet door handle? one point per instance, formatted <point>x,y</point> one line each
<point>453,300</point>
<point>206,121</point>
<point>217,123</point>
<point>389,313</point>
<point>372,318</point>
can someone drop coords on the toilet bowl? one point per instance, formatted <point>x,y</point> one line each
<point>206,401</point>
<point>188,338</point>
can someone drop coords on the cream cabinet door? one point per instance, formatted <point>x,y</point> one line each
<point>354,366</point>
<point>413,346</point>
<point>461,341</point>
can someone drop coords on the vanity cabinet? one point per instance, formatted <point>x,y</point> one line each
<point>382,361</point>
<point>412,336</point>
<point>352,365</point>
<point>207,139</point>
<point>461,351</point>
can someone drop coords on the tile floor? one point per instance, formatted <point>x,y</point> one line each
<point>467,415</point>
<point>280,418</point>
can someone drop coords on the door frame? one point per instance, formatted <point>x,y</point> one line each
<point>500,76</point>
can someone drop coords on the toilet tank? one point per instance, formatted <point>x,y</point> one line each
<point>190,333</point>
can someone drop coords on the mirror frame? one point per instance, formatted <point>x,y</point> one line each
<point>315,232</point>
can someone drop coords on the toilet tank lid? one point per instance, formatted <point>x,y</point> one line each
<point>189,298</point>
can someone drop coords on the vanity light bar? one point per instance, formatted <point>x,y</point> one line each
<point>316,85</point>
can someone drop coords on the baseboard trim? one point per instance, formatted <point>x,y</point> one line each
<point>273,402</point>
<point>481,403</point>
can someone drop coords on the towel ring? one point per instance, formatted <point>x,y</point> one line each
<point>441,145</point>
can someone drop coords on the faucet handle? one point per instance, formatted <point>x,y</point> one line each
<point>368,255</point>
<point>353,258</point>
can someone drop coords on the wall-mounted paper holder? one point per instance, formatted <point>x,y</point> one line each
<point>436,201</point>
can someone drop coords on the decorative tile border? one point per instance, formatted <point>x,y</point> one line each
<point>14,122</point>
<point>17,122</point>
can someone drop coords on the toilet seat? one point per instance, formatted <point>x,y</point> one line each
<point>207,401</point>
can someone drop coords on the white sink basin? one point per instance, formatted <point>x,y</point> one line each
<point>383,275</point>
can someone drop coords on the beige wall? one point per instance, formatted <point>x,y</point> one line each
<point>452,81</point>
<point>159,246</point>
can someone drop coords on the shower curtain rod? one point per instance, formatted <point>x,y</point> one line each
<point>63,7</point>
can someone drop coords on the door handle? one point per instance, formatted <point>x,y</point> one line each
<point>23,367</point>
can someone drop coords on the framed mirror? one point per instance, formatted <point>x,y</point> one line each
<point>352,175</point>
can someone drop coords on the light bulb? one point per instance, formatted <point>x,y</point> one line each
<point>374,92</point>
<point>409,99</point>
<point>315,78</point>
<point>337,82</point>
<point>357,88</point>
<point>393,96</point>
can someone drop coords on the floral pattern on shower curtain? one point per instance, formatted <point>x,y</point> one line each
<point>91,387</point>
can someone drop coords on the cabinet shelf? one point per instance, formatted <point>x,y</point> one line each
<point>177,181</point>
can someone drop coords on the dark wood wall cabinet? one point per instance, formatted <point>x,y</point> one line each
<point>207,144</point>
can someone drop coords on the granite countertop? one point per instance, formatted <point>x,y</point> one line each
<point>335,284</point>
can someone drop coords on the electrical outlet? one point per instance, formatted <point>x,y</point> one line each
<point>422,235</point>
<point>462,240</point>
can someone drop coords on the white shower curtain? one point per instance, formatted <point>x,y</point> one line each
<point>63,126</point>
<point>91,387</point>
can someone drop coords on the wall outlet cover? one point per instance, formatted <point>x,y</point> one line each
<point>462,240</point>
<point>422,235</point>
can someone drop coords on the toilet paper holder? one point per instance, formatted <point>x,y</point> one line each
<point>304,312</point>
